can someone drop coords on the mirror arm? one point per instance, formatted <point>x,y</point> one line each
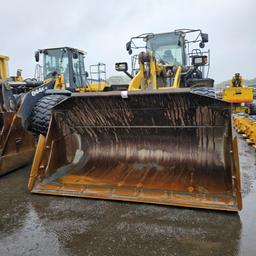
<point>128,74</point>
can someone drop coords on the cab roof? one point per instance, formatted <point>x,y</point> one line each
<point>64,47</point>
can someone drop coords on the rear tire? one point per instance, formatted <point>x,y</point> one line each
<point>41,114</point>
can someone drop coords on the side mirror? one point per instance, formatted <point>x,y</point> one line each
<point>129,47</point>
<point>37,56</point>
<point>75,55</point>
<point>86,74</point>
<point>204,37</point>
<point>121,66</point>
<point>201,44</point>
<point>199,60</point>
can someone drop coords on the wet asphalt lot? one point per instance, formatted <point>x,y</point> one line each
<point>51,225</point>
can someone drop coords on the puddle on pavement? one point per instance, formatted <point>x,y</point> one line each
<point>48,225</point>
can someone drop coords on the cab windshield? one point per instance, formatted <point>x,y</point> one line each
<point>56,60</point>
<point>167,48</point>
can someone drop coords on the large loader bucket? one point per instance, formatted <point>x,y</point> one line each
<point>167,147</point>
<point>17,145</point>
<point>5,123</point>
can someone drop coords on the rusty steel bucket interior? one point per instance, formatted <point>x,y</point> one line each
<point>167,147</point>
<point>17,145</point>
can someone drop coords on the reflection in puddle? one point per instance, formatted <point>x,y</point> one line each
<point>33,235</point>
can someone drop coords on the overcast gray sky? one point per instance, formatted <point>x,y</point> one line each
<point>102,28</point>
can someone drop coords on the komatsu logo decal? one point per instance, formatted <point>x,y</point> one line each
<point>38,90</point>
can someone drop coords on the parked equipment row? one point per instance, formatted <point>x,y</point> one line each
<point>246,125</point>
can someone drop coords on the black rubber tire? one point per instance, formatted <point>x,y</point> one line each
<point>253,108</point>
<point>206,91</point>
<point>202,82</point>
<point>41,114</point>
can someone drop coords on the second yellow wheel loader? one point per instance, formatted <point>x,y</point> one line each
<point>25,106</point>
<point>159,142</point>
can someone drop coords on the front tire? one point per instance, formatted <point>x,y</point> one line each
<point>41,114</point>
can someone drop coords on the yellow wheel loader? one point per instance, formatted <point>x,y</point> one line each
<point>159,142</point>
<point>65,66</point>
<point>26,105</point>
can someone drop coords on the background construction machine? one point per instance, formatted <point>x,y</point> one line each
<point>3,67</point>
<point>241,96</point>
<point>158,142</point>
<point>64,65</point>
<point>26,105</point>
<point>246,125</point>
<point>237,92</point>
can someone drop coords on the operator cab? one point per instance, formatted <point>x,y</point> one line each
<point>168,48</point>
<point>170,51</point>
<point>67,61</point>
